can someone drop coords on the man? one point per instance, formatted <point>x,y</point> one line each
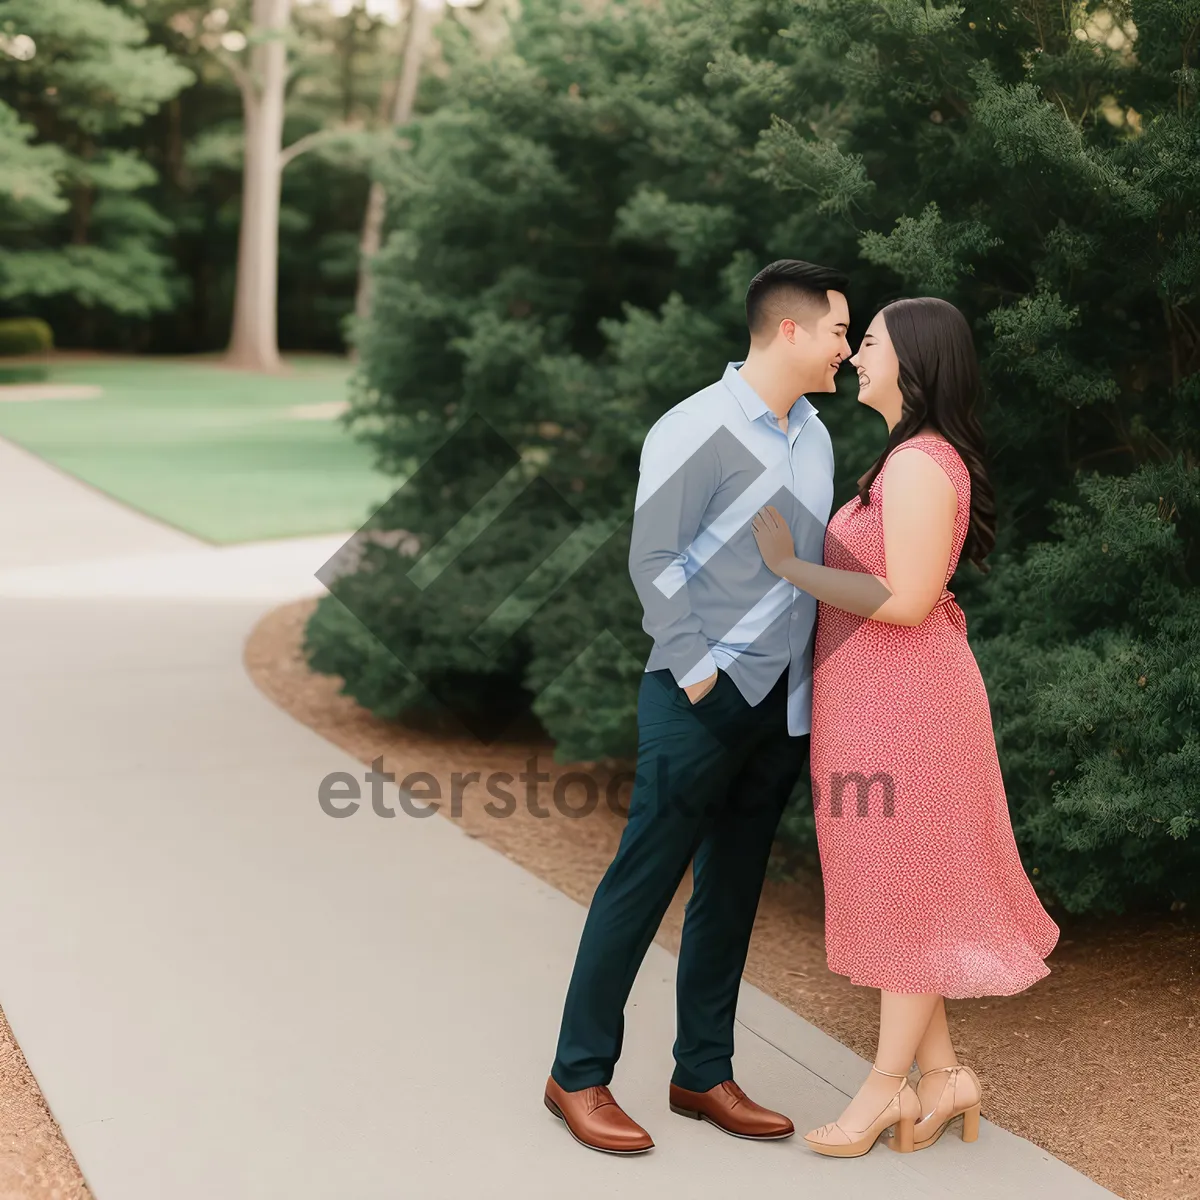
<point>724,707</point>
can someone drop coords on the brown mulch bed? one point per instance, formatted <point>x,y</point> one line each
<point>35,1161</point>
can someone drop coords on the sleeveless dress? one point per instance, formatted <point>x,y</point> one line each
<point>924,888</point>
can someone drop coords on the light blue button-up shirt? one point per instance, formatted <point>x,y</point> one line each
<point>708,599</point>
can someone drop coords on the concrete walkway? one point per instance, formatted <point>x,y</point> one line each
<point>224,993</point>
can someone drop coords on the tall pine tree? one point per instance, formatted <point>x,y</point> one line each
<point>83,74</point>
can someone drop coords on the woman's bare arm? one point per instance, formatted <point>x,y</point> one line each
<point>919,507</point>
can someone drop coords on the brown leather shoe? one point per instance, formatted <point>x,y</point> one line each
<point>729,1108</point>
<point>594,1119</point>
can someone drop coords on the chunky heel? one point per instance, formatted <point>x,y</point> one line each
<point>943,1113</point>
<point>971,1123</point>
<point>686,1112</point>
<point>902,1140</point>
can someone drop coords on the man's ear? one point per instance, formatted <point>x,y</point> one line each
<point>788,328</point>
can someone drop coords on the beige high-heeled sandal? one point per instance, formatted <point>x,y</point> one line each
<point>861,1141</point>
<point>969,1111</point>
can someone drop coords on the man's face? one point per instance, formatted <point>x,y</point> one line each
<point>820,346</point>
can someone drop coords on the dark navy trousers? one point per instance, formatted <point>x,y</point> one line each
<point>711,784</point>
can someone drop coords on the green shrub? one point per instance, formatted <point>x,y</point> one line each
<point>1094,677</point>
<point>26,373</point>
<point>25,335</point>
<point>573,229</point>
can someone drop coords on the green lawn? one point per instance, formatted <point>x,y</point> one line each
<point>209,450</point>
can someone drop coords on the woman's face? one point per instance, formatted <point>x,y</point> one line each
<point>879,372</point>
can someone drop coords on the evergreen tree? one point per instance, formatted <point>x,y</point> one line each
<point>573,228</point>
<point>152,250</point>
<point>28,172</point>
<point>81,76</point>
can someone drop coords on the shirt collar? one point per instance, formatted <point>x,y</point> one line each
<point>753,405</point>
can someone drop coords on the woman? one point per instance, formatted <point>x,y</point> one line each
<point>925,894</point>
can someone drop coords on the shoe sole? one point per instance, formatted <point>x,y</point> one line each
<point>841,1151</point>
<point>591,1146</point>
<point>749,1137</point>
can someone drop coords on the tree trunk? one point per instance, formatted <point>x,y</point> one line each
<point>81,227</point>
<point>423,16</point>
<point>174,149</point>
<point>254,342</point>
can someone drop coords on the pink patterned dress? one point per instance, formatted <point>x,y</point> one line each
<point>924,888</point>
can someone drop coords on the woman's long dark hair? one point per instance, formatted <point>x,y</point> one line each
<point>940,387</point>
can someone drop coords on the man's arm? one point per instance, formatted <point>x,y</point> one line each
<point>677,480</point>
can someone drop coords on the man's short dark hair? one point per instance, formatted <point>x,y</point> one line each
<point>790,288</point>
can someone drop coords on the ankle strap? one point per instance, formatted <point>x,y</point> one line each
<point>956,1067</point>
<point>890,1073</point>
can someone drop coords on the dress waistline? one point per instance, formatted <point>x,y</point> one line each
<point>953,611</point>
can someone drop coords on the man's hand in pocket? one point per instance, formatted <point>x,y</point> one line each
<point>696,691</point>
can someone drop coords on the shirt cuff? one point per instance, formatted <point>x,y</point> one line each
<point>701,671</point>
